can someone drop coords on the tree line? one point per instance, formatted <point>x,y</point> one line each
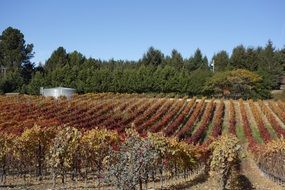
<point>252,71</point>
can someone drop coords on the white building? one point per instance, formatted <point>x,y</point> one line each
<point>57,92</point>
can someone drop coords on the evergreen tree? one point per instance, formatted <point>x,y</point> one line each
<point>198,59</point>
<point>76,58</point>
<point>269,68</point>
<point>11,83</point>
<point>196,81</point>
<point>27,72</point>
<point>280,57</point>
<point>176,59</point>
<point>13,49</point>
<point>36,83</point>
<point>58,58</point>
<point>238,58</point>
<point>153,57</point>
<point>15,57</point>
<point>205,64</point>
<point>221,61</point>
<point>252,59</point>
<point>153,73</point>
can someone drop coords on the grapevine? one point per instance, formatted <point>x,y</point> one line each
<point>232,119</point>
<point>199,133</point>
<point>262,129</point>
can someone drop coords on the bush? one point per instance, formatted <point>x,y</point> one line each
<point>225,161</point>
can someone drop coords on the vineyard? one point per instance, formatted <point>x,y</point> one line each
<point>88,137</point>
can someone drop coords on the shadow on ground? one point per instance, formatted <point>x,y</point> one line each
<point>199,179</point>
<point>244,183</point>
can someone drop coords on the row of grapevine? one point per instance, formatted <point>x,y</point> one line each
<point>232,118</point>
<point>78,119</point>
<point>62,110</point>
<point>98,154</point>
<point>277,110</point>
<point>167,118</point>
<point>245,124</point>
<point>154,118</point>
<point>180,119</point>
<point>174,117</point>
<point>116,115</point>
<point>270,158</point>
<point>260,124</point>
<point>130,113</point>
<point>225,162</point>
<point>187,128</point>
<point>113,117</point>
<point>199,134</point>
<point>217,122</point>
<point>271,118</point>
<point>104,116</point>
<point>149,112</point>
<point>128,121</point>
<point>281,105</point>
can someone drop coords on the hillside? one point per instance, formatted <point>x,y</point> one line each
<point>193,120</point>
<point>38,134</point>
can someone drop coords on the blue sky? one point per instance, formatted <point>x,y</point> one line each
<point>125,29</point>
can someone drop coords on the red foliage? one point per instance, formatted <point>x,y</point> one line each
<point>133,113</point>
<point>277,110</point>
<point>217,122</point>
<point>232,118</point>
<point>260,124</point>
<point>198,134</point>
<point>281,105</point>
<point>149,112</point>
<point>246,126</point>
<point>152,120</point>
<point>191,121</point>
<point>180,119</point>
<point>271,118</point>
<point>167,117</point>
